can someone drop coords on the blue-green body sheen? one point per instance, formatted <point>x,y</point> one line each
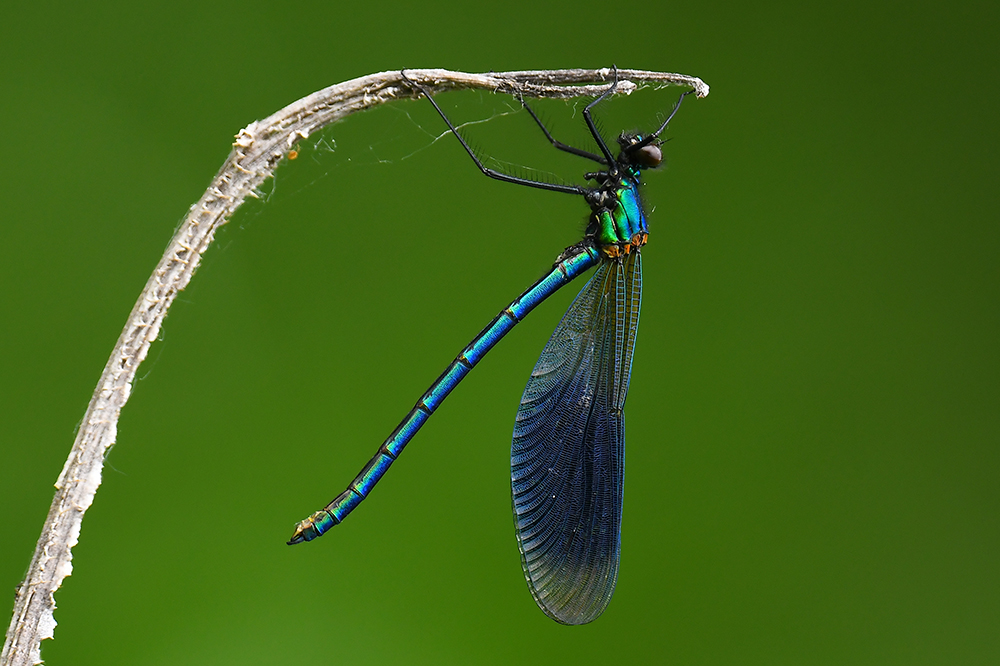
<point>577,262</point>
<point>568,447</point>
<point>626,219</point>
<point>616,225</point>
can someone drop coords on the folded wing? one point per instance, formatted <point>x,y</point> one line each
<point>567,456</point>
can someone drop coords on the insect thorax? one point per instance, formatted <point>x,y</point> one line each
<point>619,224</point>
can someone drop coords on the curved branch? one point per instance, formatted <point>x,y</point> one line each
<point>257,152</point>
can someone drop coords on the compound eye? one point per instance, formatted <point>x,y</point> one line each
<point>648,156</point>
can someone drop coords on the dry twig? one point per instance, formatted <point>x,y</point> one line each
<point>257,152</point>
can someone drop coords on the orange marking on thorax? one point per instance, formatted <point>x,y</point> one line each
<point>623,249</point>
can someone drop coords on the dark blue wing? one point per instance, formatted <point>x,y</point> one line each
<point>567,458</point>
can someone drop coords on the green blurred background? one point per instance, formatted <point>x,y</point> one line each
<point>813,467</point>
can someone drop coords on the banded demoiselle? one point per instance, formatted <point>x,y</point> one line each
<point>567,456</point>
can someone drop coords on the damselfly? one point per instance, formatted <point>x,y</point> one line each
<point>567,457</point>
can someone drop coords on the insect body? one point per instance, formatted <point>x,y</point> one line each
<point>567,455</point>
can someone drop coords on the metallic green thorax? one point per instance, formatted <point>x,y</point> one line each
<point>620,221</point>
